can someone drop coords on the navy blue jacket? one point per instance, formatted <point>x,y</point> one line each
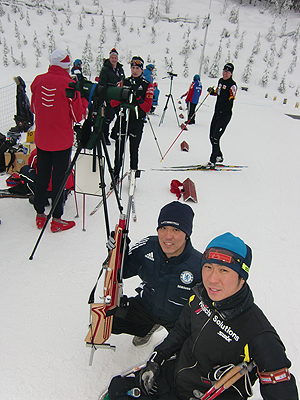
<point>166,282</point>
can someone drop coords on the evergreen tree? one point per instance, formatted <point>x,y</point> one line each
<point>5,53</point>
<point>80,26</point>
<point>99,58</point>
<point>234,15</point>
<point>153,35</point>
<point>123,20</point>
<point>131,29</point>
<point>247,73</point>
<point>151,10</point>
<point>103,31</point>
<point>113,21</point>
<point>206,65</point>
<point>265,78</point>
<point>167,6</point>
<point>186,67</point>
<point>21,17</point>
<point>25,41</point>
<point>283,28</point>
<point>266,56</point>
<point>27,19</point>
<point>68,19</point>
<point>144,23</point>
<point>61,30</point>
<point>275,73</point>
<point>297,92</point>
<point>194,44</point>
<point>168,37</point>
<point>282,85</point>
<point>92,21</point>
<point>1,27</point>
<point>271,35</point>
<point>23,60</point>
<point>2,12</point>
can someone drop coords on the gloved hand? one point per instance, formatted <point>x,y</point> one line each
<point>147,377</point>
<point>210,90</point>
<point>111,243</point>
<point>197,395</point>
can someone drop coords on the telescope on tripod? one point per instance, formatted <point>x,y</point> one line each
<point>169,96</point>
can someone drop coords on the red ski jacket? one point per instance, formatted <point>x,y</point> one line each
<point>55,113</point>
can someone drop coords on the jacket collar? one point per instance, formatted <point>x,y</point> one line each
<point>230,307</point>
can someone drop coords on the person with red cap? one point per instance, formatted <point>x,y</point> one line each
<point>55,115</point>
<point>220,330</point>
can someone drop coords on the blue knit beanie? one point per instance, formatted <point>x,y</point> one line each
<point>178,215</point>
<point>237,255</point>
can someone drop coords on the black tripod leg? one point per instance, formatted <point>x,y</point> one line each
<point>61,189</point>
<point>164,111</point>
<point>175,110</point>
<point>102,185</point>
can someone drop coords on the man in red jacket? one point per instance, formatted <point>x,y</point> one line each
<point>55,115</point>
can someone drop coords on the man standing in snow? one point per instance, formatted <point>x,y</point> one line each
<point>226,93</point>
<point>111,73</point>
<point>142,102</point>
<point>219,328</point>
<point>55,115</point>
<point>192,98</point>
<point>169,267</point>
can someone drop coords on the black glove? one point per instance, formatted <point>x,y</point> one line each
<point>111,243</point>
<point>148,374</point>
<point>147,377</point>
<point>210,90</point>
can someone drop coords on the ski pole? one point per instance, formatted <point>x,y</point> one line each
<point>183,128</point>
<point>155,138</point>
<point>228,380</point>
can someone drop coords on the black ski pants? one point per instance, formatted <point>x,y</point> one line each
<point>134,319</point>
<point>56,162</point>
<point>135,131</point>
<point>191,109</point>
<point>109,114</point>
<point>217,128</point>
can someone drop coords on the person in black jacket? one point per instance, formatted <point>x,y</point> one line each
<point>169,267</point>
<point>111,73</point>
<point>141,105</point>
<point>226,93</point>
<point>219,327</point>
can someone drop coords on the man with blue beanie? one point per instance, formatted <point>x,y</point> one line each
<point>169,267</point>
<point>192,98</point>
<point>220,327</point>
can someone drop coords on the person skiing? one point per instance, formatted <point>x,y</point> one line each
<point>220,327</point>
<point>142,102</point>
<point>112,73</point>
<point>169,267</point>
<point>192,98</point>
<point>226,93</point>
<point>55,115</point>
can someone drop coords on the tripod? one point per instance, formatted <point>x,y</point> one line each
<point>169,96</point>
<point>95,141</point>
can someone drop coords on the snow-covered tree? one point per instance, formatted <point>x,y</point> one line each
<point>271,35</point>
<point>297,92</point>
<point>275,72</point>
<point>21,15</point>
<point>80,26</point>
<point>151,11</point>
<point>153,35</point>
<point>131,29</point>
<point>234,15</point>
<point>2,12</point>
<point>27,19</point>
<point>23,60</point>
<point>186,67</point>
<point>113,21</point>
<point>265,78</point>
<point>282,85</point>
<point>5,53</point>
<point>247,73</point>
<point>123,20</point>
<point>92,21</point>
<point>144,24</point>
<point>61,30</point>
<point>167,4</point>
<point>283,28</point>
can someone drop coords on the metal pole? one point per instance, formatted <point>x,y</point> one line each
<point>207,21</point>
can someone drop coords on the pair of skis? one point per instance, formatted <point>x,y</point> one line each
<point>219,386</point>
<point>101,314</point>
<point>202,167</point>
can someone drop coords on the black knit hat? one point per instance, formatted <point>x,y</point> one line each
<point>138,61</point>
<point>178,215</point>
<point>228,67</point>
<point>113,51</point>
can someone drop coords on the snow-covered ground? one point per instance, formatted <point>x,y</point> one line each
<point>44,312</point>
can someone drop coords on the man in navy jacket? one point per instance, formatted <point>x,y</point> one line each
<point>169,267</point>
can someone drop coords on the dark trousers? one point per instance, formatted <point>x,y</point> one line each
<point>56,162</point>
<point>135,131</point>
<point>217,128</point>
<point>109,114</point>
<point>136,320</point>
<point>191,116</point>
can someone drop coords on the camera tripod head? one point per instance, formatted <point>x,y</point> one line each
<point>171,74</point>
